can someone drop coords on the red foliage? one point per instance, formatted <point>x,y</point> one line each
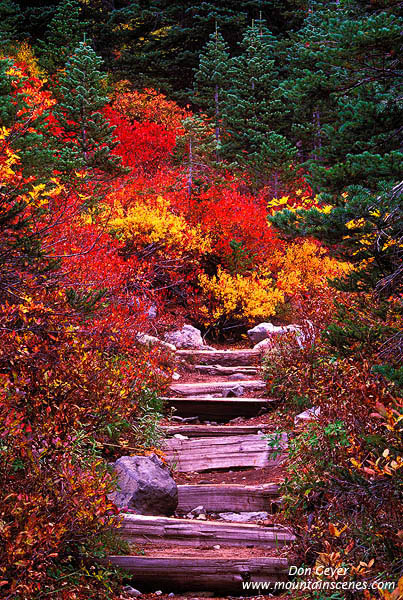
<point>144,146</point>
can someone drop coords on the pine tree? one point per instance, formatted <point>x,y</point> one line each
<point>64,32</point>
<point>254,113</point>
<point>164,38</point>
<point>348,60</point>
<point>211,79</point>
<point>87,137</point>
<point>10,16</point>
<point>26,161</point>
<point>197,150</point>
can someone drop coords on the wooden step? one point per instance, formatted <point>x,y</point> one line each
<point>197,431</point>
<point>219,409</point>
<point>191,532</point>
<point>203,454</point>
<point>227,497</point>
<point>227,358</point>
<point>223,371</point>
<point>201,574</point>
<point>216,387</point>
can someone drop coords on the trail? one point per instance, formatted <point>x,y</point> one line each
<point>218,444</point>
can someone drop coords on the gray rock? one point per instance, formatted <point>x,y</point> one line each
<point>237,420</point>
<point>187,337</point>
<point>234,392</point>
<point>149,340</point>
<point>201,517</point>
<point>146,486</point>
<point>198,510</point>
<point>238,377</point>
<point>308,415</point>
<point>243,517</point>
<point>131,591</point>
<point>268,330</point>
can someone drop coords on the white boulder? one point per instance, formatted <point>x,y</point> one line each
<point>187,337</point>
<point>149,340</point>
<point>264,335</point>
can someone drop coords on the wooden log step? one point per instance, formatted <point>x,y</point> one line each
<point>227,497</point>
<point>218,409</point>
<point>215,387</point>
<point>197,574</point>
<point>222,371</point>
<point>203,454</point>
<point>197,431</point>
<point>189,532</point>
<point>227,358</point>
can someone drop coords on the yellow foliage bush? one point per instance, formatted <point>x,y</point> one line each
<point>144,224</point>
<point>237,298</point>
<point>306,266</point>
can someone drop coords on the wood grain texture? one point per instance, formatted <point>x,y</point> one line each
<point>195,431</point>
<point>216,387</point>
<point>188,532</point>
<point>222,371</point>
<point>202,454</point>
<point>214,574</point>
<point>218,409</point>
<point>227,358</point>
<point>227,497</point>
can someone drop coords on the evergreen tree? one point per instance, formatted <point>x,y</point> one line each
<point>211,79</point>
<point>10,16</point>
<point>26,157</point>
<point>349,62</point>
<point>254,112</point>
<point>34,147</point>
<point>62,36</point>
<point>197,150</point>
<point>164,38</point>
<point>87,137</point>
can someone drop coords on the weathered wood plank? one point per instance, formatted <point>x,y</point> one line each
<point>227,497</point>
<point>219,409</point>
<point>227,358</point>
<point>215,387</point>
<point>212,574</point>
<point>202,454</point>
<point>197,431</point>
<point>188,532</point>
<point>220,370</point>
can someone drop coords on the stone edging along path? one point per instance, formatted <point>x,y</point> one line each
<point>224,532</point>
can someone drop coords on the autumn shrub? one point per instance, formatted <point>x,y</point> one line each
<point>236,300</point>
<point>305,267</point>
<point>232,218</point>
<point>169,251</point>
<point>343,484</point>
<point>144,146</point>
<point>148,105</point>
<point>72,377</point>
